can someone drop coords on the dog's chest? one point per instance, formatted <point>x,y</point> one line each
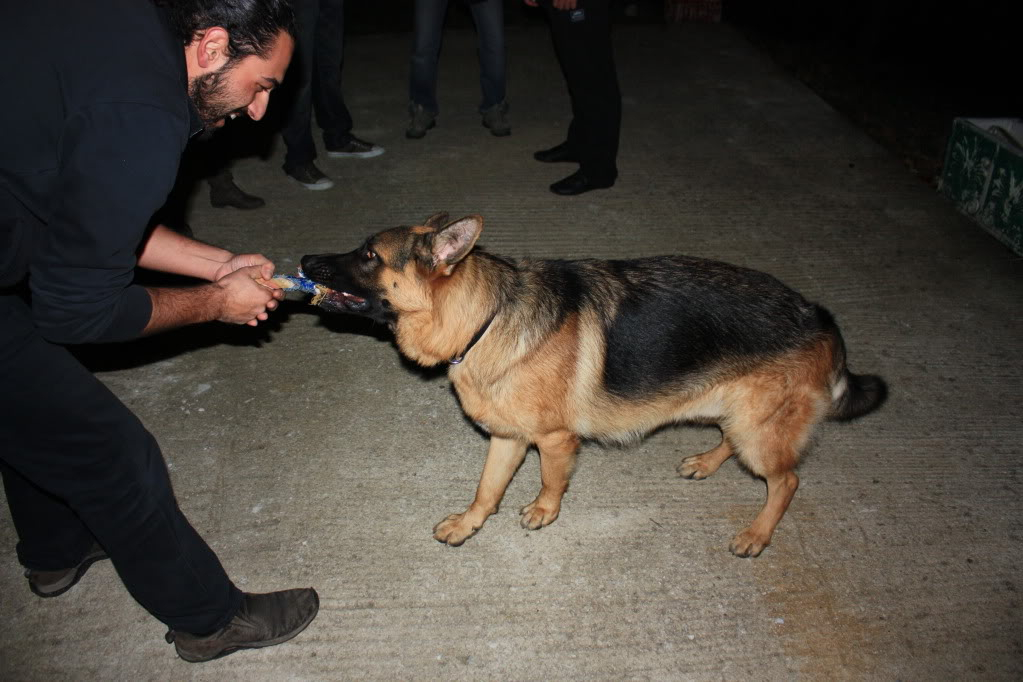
<point>493,404</point>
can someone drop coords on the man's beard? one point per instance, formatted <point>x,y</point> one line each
<point>210,95</point>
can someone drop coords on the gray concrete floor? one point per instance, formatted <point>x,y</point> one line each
<point>308,453</point>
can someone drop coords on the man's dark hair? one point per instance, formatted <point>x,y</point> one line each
<point>253,25</point>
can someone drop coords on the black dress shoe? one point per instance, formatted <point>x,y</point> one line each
<point>556,154</point>
<point>577,183</point>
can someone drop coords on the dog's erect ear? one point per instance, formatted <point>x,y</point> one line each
<point>454,241</point>
<point>437,220</point>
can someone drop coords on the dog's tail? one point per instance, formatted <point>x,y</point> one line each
<point>852,395</point>
<point>857,395</point>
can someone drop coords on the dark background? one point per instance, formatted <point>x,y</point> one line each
<point>902,70</point>
<point>899,69</point>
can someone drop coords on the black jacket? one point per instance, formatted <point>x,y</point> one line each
<point>95,117</point>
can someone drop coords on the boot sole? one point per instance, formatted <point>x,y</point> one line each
<point>315,188</point>
<point>355,155</point>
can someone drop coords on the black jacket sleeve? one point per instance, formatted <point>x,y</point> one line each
<point>117,164</point>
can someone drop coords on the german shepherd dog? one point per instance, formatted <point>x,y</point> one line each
<point>548,352</point>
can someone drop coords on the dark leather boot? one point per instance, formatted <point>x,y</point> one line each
<point>223,192</point>
<point>263,620</point>
<point>55,583</point>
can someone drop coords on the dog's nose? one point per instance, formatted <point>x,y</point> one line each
<point>316,266</point>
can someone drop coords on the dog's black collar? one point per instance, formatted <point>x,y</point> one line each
<point>479,335</point>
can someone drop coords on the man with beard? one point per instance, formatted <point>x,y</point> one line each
<point>102,97</point>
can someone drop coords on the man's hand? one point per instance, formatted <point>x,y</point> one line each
<point>236,298</point>
<point>244,300</point>
<point>245,260</point>
<point>235,295</point>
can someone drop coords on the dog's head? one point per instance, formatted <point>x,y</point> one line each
<point>393,271</point>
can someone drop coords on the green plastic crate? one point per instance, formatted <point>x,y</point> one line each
<point>983,175</point>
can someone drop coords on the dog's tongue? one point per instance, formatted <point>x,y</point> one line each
<point>334,297</point>
<point>345,296</point>
<point>324,294</point>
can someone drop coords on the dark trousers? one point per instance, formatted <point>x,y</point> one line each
<point>316,74</point>
<point>582,41</point>
<point>78,466</point>
<point>488,15</point>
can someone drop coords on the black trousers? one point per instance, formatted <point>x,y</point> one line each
<point>316,76</point>
<point>582,41</point>
<point>78,466</point>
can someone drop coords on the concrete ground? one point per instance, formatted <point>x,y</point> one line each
<point>308,453</point>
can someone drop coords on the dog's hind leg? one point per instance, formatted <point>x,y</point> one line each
<point>781,487</point>
<point>557,459</point>
<point>503,460</point>
<point>701,466</point>
<point>769,438</point>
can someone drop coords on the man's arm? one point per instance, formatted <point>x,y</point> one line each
<point>167,251</point>
<point>236,298</point>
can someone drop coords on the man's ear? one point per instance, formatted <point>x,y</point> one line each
<point>453,242</point>
<point>212,48</point>
<point>436,221</point>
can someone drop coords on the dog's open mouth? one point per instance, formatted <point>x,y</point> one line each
<point>332,299</point>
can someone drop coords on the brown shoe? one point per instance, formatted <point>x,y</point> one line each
<point>263,620</point>
<point>55,583</point>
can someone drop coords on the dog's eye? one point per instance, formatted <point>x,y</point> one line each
<point>369,254</point>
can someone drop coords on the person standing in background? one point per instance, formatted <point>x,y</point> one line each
<point>316,74</point>
<point>581,30</point>
<point>488,15</point>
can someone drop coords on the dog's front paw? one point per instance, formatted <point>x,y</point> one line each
<point>535,515</point>
<point>455,529</point>
<point>748,544</point>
